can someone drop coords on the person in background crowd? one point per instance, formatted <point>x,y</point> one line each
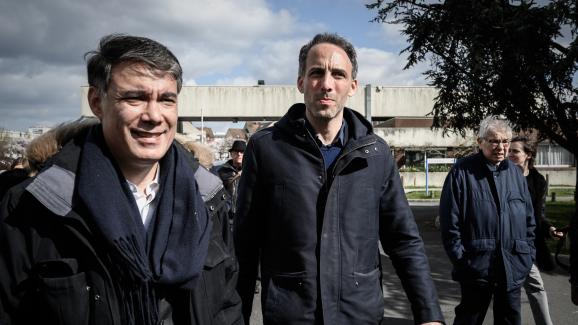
<point>215,299</point>
<point>230,172</point>
<point>487,225</point>
<point>319,191</point>
<point>42,148</point>
<point>115,226</point>
<point>522,153</point>
<point>202,153</point>
<point>20,163</point>
<point>18,172</point>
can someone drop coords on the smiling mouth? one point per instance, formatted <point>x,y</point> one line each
<point>145,134</point>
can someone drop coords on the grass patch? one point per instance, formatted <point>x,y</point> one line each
<point>559,213</point>
<point>566,191</point>
<point>417,195</point>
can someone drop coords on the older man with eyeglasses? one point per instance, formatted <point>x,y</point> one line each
<point>487,223</point>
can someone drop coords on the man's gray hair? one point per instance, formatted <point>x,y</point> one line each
<point>496,124</point>
<point>334,39</point>
<point>118,48</point>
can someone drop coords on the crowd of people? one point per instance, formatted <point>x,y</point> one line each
<point>114,221</point>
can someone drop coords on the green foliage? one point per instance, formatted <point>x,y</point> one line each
<point>491,57</point>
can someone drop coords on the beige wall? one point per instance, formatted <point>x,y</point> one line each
<point>566,177</point>
<point>423,137</point>
<point>258,102</point>
<point>563,176</point>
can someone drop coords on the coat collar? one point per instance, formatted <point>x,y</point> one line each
<point>294,119</point>
<point>503,165</point>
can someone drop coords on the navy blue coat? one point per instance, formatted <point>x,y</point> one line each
<point>316,234</point>
<point>476,232</point>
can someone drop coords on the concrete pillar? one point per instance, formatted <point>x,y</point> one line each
<point>368,102</point>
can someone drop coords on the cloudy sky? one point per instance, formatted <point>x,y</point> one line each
<point>218,42</point>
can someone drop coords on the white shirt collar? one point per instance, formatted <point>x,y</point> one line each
<point>144,201</point>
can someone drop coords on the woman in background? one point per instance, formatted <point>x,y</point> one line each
<point>523,153</point>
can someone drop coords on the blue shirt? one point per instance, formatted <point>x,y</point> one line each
<point>330,151</point>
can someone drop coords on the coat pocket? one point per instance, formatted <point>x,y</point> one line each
<point>62,292</point>
<point>216,253</point>
<point>478,258</point>
<point>362,298</point>
<point>288,298</point>
<point>521,261</point>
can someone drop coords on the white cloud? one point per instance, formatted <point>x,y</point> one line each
<point>277,62</point>
<point>237,81</point>
<point>386,69</point>
<point>233,42</point>
<point>392,35</point>
<point>42,44</point>
<point>50,95</point>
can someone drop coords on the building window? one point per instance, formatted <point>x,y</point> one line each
<point>550,154</point>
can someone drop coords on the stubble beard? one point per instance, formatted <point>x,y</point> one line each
<point>325,115</point>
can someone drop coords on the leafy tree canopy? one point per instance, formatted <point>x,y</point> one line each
<point>517,59</point>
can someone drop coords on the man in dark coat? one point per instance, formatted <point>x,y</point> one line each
<point>487,224</point>
<point>215,300</point>
<point>115,224</point>
<point>319,191</point>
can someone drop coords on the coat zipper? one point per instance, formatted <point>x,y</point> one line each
<point>345,153</point>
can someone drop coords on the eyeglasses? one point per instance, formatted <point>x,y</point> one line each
<point>496,142</point>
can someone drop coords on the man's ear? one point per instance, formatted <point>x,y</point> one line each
<point>95,102</point>
<point>300,84</point>
<point>353,88</point>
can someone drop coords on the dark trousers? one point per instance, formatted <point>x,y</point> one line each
<point>476,299</point>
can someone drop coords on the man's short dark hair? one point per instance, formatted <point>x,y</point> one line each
<point>118,48</point>
<point>331,39</point>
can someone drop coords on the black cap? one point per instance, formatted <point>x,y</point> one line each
<point>238,145</point>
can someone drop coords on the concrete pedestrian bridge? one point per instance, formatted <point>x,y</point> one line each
<point>269,103</point>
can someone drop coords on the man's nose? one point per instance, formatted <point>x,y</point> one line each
<point>152,112</point>
<point>327,82</point>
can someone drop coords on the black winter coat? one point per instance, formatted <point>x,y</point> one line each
<point>230,177</point>
<point>316,234</point>
<point>537,186</point>
<point>215,300</point>
<point>54,271</point>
